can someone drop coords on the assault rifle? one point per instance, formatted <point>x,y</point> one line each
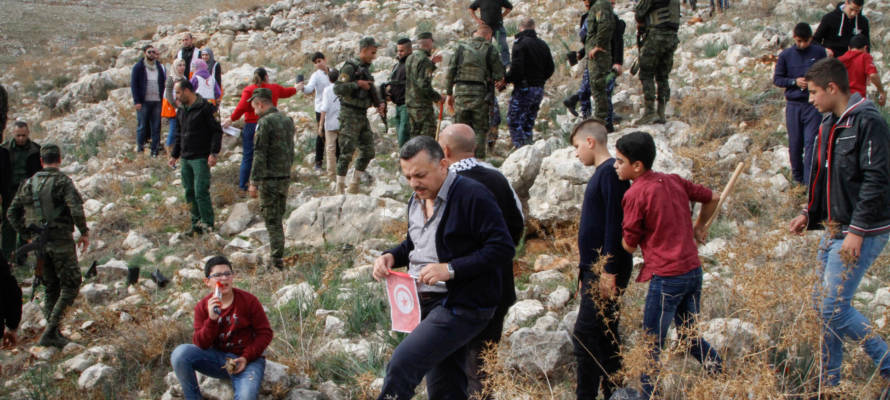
<point>38,246</point>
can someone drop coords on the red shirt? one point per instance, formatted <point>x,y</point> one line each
<point>859,65</point>
<point>241,329</point>
<point>657,217</point>
<point>244,107</point>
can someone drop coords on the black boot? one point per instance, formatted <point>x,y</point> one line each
<point>570,103</point>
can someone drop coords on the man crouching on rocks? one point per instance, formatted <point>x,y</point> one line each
<point>456,235</point>
<point>231,333</point>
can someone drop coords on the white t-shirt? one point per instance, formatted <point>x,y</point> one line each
<point>330,105</point>
<point>317,83</point>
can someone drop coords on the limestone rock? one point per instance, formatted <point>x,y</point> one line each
<point>239,218</point>
<point>732,335</point>
<point>558,191</point>
<point>302,292</point>
<point>344,219</point>
<point>558,298</point>
<point>535,352</point>
<point>94,376</point>
<point>113,270</point>
<point>522,312</point>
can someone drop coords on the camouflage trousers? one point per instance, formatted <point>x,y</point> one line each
<point>401,123</point>
<point>656,62</point>
<point>355,133</point>
<point>598,70</point>
<point>62,278</point>
<point>472,107</point>
<point>273,201</point>
<point>524,105</point>
<point>422,121</point>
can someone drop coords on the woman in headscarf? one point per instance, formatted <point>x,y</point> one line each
<point>204,83</point>
<point>260,80</point>
<point>212,65</point>
<point>177,73</point>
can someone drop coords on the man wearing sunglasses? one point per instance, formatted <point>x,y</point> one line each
<point>147,82</point>
<point>231,333</point>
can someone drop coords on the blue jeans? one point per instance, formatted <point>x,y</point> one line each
<point>188,358</point>
<point>832,295</point>
<point>584,96</point>
<point>802,120</point>
<point>149,118</point>
<point>172,132</point>
<point>677,299</point>
<point>437,349</point>
<point>500,35</point>
<point>524,106</point>
<point>246,154</point>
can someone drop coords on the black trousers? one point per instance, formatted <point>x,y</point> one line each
<point>491,335</point>
<point>596,342</point>
<point>437,349</point>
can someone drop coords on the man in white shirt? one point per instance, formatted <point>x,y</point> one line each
<point>329,124</point>
<point>317,82</point>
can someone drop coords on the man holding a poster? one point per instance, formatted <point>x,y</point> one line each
<point>456,241</point>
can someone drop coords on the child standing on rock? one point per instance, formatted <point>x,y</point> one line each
<point>658,219</point>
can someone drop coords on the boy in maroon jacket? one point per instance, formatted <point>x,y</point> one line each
<point>658,219</point>
<point>230,328</point>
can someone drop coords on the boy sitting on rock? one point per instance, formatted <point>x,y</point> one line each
<point>658,219</point>
<point>231,333</point>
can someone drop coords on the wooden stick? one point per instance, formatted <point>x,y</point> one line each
<point>439,125</point>
<point>726,192</point>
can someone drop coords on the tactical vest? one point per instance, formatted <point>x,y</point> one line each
<point>472,63</point>
<point>362,98</point>
<point>665,14</point>
<point>45,211</point>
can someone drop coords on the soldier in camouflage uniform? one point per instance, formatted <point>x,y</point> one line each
<point>53,203</point>
<point>658,21</point>
<point>270,174</point>
<point>357,93</point>
<point>473,69</point>
<point>420,95</point>
<point>600,26</point>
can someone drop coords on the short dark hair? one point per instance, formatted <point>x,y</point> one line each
<point>404,40</point>
<point>828,70</point>
<point>859,3</point>
<point>858,42</point>
<point>184,84</point>
<point>214,261</point>
<point>51,158</point>
<point>637,146</point>
<point>146,47</point>
<point>803,31</point>
<point>421,143</point>
<point>316,56</point>
<point>20,124</point>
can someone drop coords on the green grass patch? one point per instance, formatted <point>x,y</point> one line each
<point>713,49</point>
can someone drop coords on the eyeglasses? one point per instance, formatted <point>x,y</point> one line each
<point>218,275</point>
<point>152,52</point>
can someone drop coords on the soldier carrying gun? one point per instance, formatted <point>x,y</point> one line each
<point>357,93</point>
<point>52,207</point>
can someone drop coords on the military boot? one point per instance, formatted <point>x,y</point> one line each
<point>276,263</point>
<point>650,116</point>
<point>341,185</point>
<point>570,103</point>
<point>661,119</point>
<point>52,337</point>
<point>354,185</point>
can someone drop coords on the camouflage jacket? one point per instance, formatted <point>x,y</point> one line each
<point>273,151</point>
<point>493,63</point>
<point>419,82</point>
<point>60,203</point>
<point>600,25</point>
<point>350,94</point>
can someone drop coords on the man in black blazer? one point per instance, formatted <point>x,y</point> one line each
<point>457,238</point>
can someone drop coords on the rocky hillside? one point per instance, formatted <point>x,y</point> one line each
<point>331,321</point>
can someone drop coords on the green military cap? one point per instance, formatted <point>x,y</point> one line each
<point>425,35</point>
<point>367,42</point>
<point>261,93</point>
<point>49,150</point>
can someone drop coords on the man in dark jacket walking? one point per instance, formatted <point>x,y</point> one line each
<point>840,25</point>
<point>849,196</point>
<point>198,144</point>
<point>458,142</point>
<point>456,244</point>
<point>147,86</point>
<point>24,161</point>
<point>530,68</point>
<point>801,118</point>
